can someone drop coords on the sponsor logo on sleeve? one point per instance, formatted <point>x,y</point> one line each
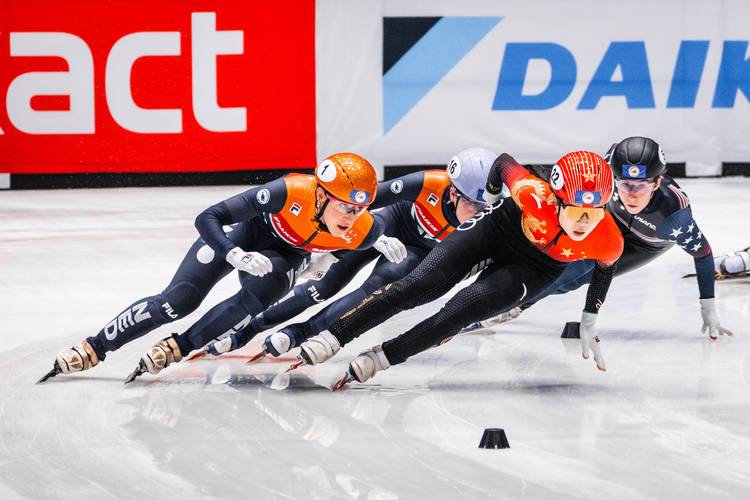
<point>263,196</point>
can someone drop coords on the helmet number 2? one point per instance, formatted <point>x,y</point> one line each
<point>556,178</point>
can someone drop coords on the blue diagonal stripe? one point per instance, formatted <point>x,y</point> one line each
<point>425,64</point>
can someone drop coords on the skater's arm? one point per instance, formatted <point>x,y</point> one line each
<point>406,187</point>
<point>210,223</point>
<point>599,286</point>
<point>505,170</point>
<point>376,230</point>
<point>681,228</point>
<point>607,249</point>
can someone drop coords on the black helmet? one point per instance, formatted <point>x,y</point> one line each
<point>636,158</point>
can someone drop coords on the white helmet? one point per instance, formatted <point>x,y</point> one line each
<point>468,170</point>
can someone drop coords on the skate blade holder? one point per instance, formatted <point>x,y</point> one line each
<point>494,438</point>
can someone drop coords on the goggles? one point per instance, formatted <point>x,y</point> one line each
<point>345,208</point>
<point>634,186</point>
<point>572,212</point>
<point>476,206</point>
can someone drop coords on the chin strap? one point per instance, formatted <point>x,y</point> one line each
<point>449,208</point>
<point>319,216</point>
<point>561,230</point>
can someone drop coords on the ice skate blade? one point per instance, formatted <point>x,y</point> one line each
<point>54,372</point>
<point>256,357</point>
<point>342,383</point>
<point>198,355</point>
<point>294,366</point>
<point>139,370</point>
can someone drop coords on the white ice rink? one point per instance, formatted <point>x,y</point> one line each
<point>670,419</point>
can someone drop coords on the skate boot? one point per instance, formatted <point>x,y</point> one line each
<point>733,265</point>
<point>494,321</point>
<point>368,363</point>
<point>319,348</point>
<point>77,358</point>
<point>73,359</point>
<point>163,354</point>
<point>286,339</point>
<point>364,367</point>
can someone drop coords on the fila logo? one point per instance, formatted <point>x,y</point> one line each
<point>295,209</point>
<point>314,294</point>
<point>432,199</point>
<point>126,319</point>
<point>168,309</point>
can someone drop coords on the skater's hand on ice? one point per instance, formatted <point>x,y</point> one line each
<point>319,265</point>
<point>254,263</point>
<point>589,340</point>
<point>711,320</point>
<point>391,248</point>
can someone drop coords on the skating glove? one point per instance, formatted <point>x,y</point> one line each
<point>589,340</point>
<point>391,248</point>
<point>319,265</point>
<point>254,263</point>
<point>711,320</point>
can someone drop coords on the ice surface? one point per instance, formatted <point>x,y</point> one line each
<point>668,420</point>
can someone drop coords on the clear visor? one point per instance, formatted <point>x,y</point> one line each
<point>475,206</point>
<point>344,207</point>
<point>635,186</point>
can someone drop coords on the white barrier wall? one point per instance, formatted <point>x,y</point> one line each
<point>533,78</point>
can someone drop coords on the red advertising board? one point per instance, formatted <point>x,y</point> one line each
<point>167,86</point>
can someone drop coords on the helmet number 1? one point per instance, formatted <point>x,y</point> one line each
<point>323,172</point>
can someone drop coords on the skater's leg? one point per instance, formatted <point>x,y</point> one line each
<point>195,277</point>
<point>257,293</point>
<point>440,270</point>
<point>497,290</point>
<point>310,293</point>
<point>385,272</point>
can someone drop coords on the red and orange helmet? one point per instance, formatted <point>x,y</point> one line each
<point>582,179</point>
<point>348,177</point>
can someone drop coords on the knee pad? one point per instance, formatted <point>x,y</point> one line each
<point>314,291</point>
<point>382,275</point>
<point>412,291</point>
<point>425,283</point>
<point>180,299</point>
<point>252,304</point>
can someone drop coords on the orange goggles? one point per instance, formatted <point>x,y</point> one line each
<point>572,212</point>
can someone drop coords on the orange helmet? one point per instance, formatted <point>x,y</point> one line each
<point>348,177</point>
<point>582,179</point>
